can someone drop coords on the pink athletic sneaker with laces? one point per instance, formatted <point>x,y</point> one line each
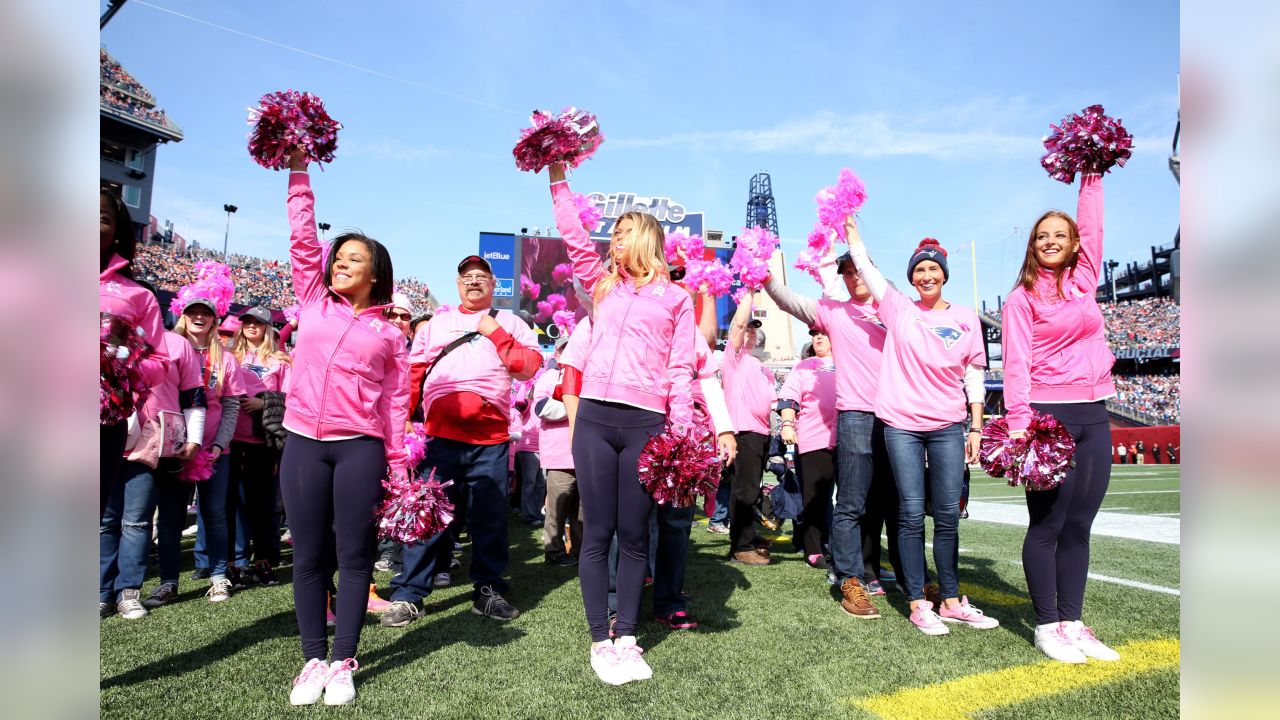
<point>629,658</point>
<point>967,614</point>
<point>376,603</point>
<point>926,620</point>
<point>340,688</point>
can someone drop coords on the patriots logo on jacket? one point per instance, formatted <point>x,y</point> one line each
<point>948,335</point>
<point>376,324</point>
<point>113,287</point>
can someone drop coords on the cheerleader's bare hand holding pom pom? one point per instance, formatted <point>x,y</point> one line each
<point>556,173</point>
<point>297,160</point>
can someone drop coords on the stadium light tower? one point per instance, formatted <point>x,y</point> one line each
<point>114,7</point>
<point>324,228</point>
<point>227,235</point>
<point>761,211</point>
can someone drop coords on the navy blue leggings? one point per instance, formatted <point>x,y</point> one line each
<point>331,491</point>
<point>607,440</point>
<point>1055,554</point>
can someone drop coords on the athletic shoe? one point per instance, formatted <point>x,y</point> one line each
<point>613,628</point>
<point>201,574</point>
<point>236,578</point>
<point>340,688</point>
<point>648,581</point>
<point>129,606</point>
<point>678,620</point>
<point>493,605</point>
<point>219,589</point>
<point>817,561</point>
<point>1052,640</point>
<point>607,665</point>
<point>383,564</point>
<point>874,588</point>
<point>831,576</point>
<point>717,529</point>
<point>559,560</point>
<point>454,564</point>
<point>400,613</point>
<point>264,573</point>
<point>888,575</point>
<point>963,612</point>
<point>330,620</point>
<point>191,531</point>
<point>749,557</point>
<point>309,684</point>
<point>287,537</point>
<point>440,580</point>
<point>163,595</point>
<point>856,602</point>
<point>1082,636</point>
<point>629,658</point>
<point>376,604</point>
<point>106,610</point>
<point>924,618</point>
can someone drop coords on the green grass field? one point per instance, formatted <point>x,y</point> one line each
<point>773,643</point>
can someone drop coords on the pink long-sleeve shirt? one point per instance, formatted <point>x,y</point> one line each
<point>812,385</point>
<point>1055,349</point>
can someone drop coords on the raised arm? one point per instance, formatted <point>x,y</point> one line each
<point>738,327</point>
<point>869,272</point>
<point>587,266</point>
<point>792,303</point>
<point>305,254</point>
<point>706,317</point>
<point>1089,221</point>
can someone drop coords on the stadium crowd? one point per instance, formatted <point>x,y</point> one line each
<point>113,74</point>
<point>1157,396</point>
<point>1143,324</point>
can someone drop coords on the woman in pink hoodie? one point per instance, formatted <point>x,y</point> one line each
<point>345,417</point>
<point>119,295</point>
<point>637,379</point>
<point>1056,361</point>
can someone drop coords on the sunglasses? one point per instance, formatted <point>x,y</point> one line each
<point>402,316</point>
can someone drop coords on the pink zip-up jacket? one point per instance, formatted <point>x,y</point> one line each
<point>1055,349</point>
<point>642,339</point>
<point>350,373</point>
<point>125,298</point>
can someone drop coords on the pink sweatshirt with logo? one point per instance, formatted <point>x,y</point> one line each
<point>350,372</point>
<point>257,376</point>
<point>226,377</point>
<point>127,299</point>
<point>811,385</point>
<point>183,373</point>
<point>925,356</point>
<point>1055,349</point>
<point>642,340</point>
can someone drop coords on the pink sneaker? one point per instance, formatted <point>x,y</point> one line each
<point>965,613</point>
<point>376,603</point>
<point>330,619</point>
<point>924,618</point>
<point>629,658</point>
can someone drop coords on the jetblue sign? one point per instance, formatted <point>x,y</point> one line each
<point>669,213</point>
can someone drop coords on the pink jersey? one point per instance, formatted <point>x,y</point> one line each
<point>230,388</point>
<point>183,373</point>
<point>748,390</point>
<point>257,376</point>
<point>925,355</point>
<point>857,343</point>
<point>812,385</point>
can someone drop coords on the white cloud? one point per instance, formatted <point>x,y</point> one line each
<point>393,150</point>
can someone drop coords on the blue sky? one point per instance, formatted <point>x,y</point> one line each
<point>939,107</point>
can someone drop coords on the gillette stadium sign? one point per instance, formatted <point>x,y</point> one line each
<point>669,213</point>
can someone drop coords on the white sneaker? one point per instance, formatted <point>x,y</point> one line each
<point>629,658</point>
<point>129,605</point>
<point>219,589</point>
<point>608,666</point>
<point>1083,637</point>
<point>309,684</point>
<point>1052,640</point>
<point>191,531</point>
<point>340,688</point>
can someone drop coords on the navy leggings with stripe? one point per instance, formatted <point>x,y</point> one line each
<point>331,491</point>
<point>1055,554</point>
<point>607,440</point>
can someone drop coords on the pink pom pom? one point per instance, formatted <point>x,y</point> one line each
<point>213,282</point>
<point>544,311</point>
<point>810,257</point>
<point>708,276</point>
<point>121,388</point>
<point>557,302</point>
<point>740,294</point>
<point>751,258</point>
<point>566,320</point>
<point>199,468</point>
<point>562,274</point>
<point>291,313</point>
<point>569,138</point>
<point>413,509</point>
<point>415,446</point>
<point>289,119</point>
<point>1088,142</point>
<point>529,288</point>
<point>1039,460</point>
<point>839,202</point>
<point>675,467</point>
<point>681,247</point>
<point>588,213</point>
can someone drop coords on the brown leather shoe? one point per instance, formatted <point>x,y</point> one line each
<point>751,557</point>
<point>856,602</point>
<point>933,595</point>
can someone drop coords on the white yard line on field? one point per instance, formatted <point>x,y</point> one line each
<point>1129,583</point>
<point>1167,530</point>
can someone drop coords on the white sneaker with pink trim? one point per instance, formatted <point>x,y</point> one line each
<point>607,665</point>
<point>926,620</point>
<point>309,684</point>
<point>629,658</point>
<point>1083,637</point>
<point>1052,640</point>
<point>340,688</point>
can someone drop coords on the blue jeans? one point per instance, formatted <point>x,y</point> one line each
<point>211,520</point>
<point>533,486</point>
<point>856,436</point>
<point>479,471</point>
<point>723,493</point>
<point>124,537</point>
<point>944,450</point>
